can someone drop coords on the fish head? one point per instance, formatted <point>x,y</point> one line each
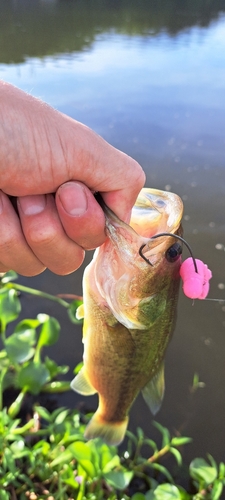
<point>125,279</point>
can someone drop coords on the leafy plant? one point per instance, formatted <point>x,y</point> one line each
<point>47,457</point>
<point>21,364</point>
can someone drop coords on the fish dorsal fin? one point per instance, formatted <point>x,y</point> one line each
<point>82,385</point>
<point>80,312</point>
<point>153,392</point>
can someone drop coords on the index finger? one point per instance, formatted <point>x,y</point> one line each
<point>48,149</point>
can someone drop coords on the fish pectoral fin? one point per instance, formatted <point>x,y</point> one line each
<point>80,312</point>
<point>153,392</point>
<point>82,385</point>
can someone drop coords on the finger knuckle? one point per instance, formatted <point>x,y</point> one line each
<point>41,236</point>
<point>68,264</point>
<point>8,240</point>
<point>139,175</point>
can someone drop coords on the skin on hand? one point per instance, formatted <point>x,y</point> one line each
<point>54,165</point>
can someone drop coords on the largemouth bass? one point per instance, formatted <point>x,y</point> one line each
<point>129,312</point>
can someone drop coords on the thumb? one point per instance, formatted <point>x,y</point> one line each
<point>80,214</point>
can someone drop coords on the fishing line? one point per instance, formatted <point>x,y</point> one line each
<point>205,277</point>
<point>195,276</point>
<point>215,300</point>
<point>194,273</point>
<point>172,236</point>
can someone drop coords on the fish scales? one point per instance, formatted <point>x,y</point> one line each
<point>129,312</point>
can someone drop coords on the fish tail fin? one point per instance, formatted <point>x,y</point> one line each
<point>111,432</point>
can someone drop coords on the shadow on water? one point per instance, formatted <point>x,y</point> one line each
<point>149,77</point>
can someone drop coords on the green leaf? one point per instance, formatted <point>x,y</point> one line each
<point>222,470</point>
<point>9,306</point>
<point>56,386</point>
<point>33,376</point>
<point>51,366</point>
<point>4,495</point>
<point>19,345</point>
<point>7,379</point>
<point>111,464</point>
<point>183,494</point>
<point>43,446</point>
<point>106,455</point>
<point>119,479</point>
<point>217,489</point>
<point>179,441</point>
<point>83,454</point>
<point>138,496</point>
<point>24,428</point>
<point>27,325</point>
<point>149,495</point>
<point>176,454</point>
<point>54,369</point>
<point>17,350</point>
<point>95,448</point>
<point>140,434</point>
<point>200,470</point>
<point>81,451</point>
<point>61,417</point>
<point>163,470</point>
<point>212,461</point>
<point>68,477</point>
<point>132,437</point>
<point>3,355</point>
<point>70,481</point>
<point>49,333</point>
<point>151,444</point>
<point>64,457</point>
<point>9,276</point>
<point>9,461</point>
<point>167,492</point>
<point>165,433</point>
<point>15,407</point>
<point>72,311</point>
<point>43,412</point>
<point>56,412</point>
<point>78,368</point>
<point>18,449</point>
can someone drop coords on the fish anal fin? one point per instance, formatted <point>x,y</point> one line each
<point>153,392</point>
<point>112,433</point>
<point>82,385</point>
<point>80,312</point>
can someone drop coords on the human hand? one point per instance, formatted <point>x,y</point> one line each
<point>53,165</point>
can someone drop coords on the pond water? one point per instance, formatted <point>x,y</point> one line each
<point>150,78</point>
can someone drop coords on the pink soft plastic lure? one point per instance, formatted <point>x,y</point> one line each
<point>194,273</point>
<point>195,284</point>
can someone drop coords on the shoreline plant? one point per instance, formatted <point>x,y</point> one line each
<point>43,454</point>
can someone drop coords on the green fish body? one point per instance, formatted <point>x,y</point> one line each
<point>129,312</point>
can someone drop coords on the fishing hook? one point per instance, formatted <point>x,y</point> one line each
<point>172,236</point>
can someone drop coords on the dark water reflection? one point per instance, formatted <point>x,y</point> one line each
<point>150,78</point>
<point>47,27</point>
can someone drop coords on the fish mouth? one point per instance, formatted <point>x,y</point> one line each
<point>119,261</point>
<point>156,212</point>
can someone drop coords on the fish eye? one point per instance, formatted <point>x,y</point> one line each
<point>173,253</point>
<point>160,203</point>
